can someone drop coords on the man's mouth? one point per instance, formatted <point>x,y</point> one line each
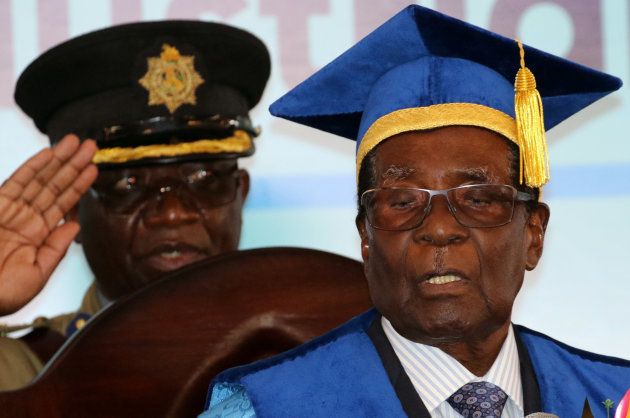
<point>443,283</point>
<point>171,256</point>
<point>445,279</point>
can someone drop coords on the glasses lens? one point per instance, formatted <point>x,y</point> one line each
<point>119,193</point>
<point>210,188</point>
<point>395,209</point>
<point>124,193</point>
<point>483,205</point>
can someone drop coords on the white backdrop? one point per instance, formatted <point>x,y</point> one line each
<point>303,181</point>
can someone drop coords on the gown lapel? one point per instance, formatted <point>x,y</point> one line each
<point>531,391</point>
<point>409,398</point>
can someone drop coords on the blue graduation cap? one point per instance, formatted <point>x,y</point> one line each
<point>422,70</point>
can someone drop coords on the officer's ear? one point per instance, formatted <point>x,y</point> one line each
<point>73,216</point>
<point>243,184</point>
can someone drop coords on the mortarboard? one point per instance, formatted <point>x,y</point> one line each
<point>422,70</point>
<point>150,92</point>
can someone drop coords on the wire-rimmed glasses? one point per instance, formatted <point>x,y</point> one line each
<point>474,205</point>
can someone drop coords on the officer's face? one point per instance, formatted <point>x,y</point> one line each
<point>138,223</point>
<point>488,263</point>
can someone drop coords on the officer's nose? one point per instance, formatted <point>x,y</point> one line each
<point>439,227</point>
<point>170,206</point>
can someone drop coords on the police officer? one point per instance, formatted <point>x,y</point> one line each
<point>156,187</point>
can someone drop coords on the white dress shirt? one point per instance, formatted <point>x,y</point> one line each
<point>436,376</point>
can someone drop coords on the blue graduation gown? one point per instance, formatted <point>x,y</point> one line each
<point>342,374</point>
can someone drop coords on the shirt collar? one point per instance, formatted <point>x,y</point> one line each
<point>435,375</point>
<point>102,300</point>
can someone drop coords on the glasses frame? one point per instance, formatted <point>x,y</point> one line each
<point>518,196</point>
<point>156,192</point>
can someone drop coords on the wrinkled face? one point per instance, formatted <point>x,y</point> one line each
<point>138,223</point>
<point>488,264</point>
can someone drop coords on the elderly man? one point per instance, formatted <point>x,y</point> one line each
<point>167,105</point>
<point>450,162</point>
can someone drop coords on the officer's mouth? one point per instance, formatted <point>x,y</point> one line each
<point>168,256</point>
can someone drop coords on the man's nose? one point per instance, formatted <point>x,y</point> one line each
<point>170,206</point>
<point>439,227</point>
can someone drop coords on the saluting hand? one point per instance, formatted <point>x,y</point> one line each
<point>33,202</point>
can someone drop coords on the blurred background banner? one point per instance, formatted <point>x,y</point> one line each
<point>303,189</point>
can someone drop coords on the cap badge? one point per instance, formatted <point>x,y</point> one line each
<point>171,79</point>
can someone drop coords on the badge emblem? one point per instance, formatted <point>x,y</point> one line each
<point>171,79</point>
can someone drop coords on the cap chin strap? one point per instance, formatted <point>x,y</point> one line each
<point>239,143</point>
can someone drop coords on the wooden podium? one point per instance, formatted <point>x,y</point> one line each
<point>154,353</point>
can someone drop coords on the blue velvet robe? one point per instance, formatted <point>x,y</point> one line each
<point>341,374</point>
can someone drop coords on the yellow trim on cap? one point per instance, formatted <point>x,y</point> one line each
<point>239,142</point>
<point>435,116</point>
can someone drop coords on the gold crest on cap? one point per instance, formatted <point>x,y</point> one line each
<point>171,79</point>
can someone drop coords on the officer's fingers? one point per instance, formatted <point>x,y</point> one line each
<point>14,186</point>
<point>69,172</point>
<point>54,248</point>
<point>65,177</point>
<point>69,198</point>
<point>66,148</point>
<point>61,152</point>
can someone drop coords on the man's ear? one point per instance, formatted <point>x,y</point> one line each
<point>536,227</point>
<point>360,221</point>
<point>243,184</point>
<point>73,216</point>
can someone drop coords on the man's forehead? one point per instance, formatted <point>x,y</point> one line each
<point>457,158</point>
<point>396,172</point>
<point>410,149</point>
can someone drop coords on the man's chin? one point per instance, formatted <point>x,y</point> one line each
<point>443,326</point>
<point>434,330</point>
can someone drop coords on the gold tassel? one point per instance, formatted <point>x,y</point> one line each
<point>530,127</point>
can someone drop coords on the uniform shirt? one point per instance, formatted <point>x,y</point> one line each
<point>436,376</point>
<point>19,364</point>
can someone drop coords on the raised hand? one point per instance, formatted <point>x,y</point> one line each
<point>33,202</point>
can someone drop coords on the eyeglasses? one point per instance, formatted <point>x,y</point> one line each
<point>124,193</point>
<point>475,205</point>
